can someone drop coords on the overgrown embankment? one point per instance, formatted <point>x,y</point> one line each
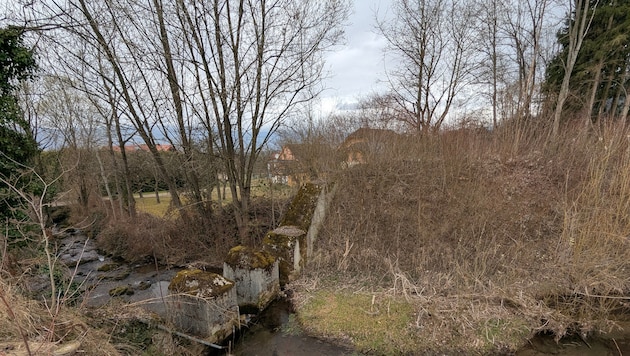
<point>489,238</point>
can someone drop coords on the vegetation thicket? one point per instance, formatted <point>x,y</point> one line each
<point>440,239</point>
<point>485,242</point>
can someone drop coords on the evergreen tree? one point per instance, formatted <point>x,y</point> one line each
<point>17,145</point>
<point>600,77</point>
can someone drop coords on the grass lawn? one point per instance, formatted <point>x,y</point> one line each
<point>148,202</point>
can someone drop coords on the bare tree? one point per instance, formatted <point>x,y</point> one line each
<point>490,22</point>
<point>577,32</point>
<point>67,111</point>
<point>433,40</point>
<point>122,39</point>
<point>525,27</point>
<point>259,60</point>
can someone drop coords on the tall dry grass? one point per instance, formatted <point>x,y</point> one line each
<point>594,246</point>
<point>506,213</point>
<point>29,327</point>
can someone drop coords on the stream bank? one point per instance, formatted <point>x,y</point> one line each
<point>105,279</point>
<point>276,331</point>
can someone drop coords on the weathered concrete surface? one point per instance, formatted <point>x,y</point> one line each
<point>288,244</point>
<point>256,276</point>
<point>319,215</point>
<point>300,211</point>
<point>202,304</point>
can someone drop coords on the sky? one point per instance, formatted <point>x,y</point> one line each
<point>357,68</point>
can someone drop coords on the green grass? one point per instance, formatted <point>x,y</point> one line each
<point>379,324</point>
<point>260,188</point>
<point>148,203</point>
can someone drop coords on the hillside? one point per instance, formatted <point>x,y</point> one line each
<point>480,241</point>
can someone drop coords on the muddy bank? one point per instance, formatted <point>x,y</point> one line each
<point>545,344</point>
<point>276,331</point>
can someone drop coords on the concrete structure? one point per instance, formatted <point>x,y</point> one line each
<point>288,244</point>
<point>317,219</point>
<point>202,304</point>
<point>256,275</point>
<point>205,306</point>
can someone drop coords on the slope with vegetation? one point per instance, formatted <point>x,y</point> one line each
<point>468,242</point>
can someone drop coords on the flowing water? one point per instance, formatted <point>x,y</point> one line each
<point>271,333</point>
<point>268,334</point>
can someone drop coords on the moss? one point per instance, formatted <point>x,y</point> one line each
<point>108,267</point>
<point>200,283</point>
<point>248,258</point>
<point>121,275</point>
<point>284,236</point>
<point>376,325</point>
<point>281,243</point>
<point>300,211</point>
<point>121,290</point>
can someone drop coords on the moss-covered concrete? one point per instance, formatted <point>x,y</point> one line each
<point>288,244</point>
<point>248,258</point>
<point>200,284</point>
<point>300,211</point>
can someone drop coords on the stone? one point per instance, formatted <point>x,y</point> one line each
<point>202,304</point>
<point>288,245</point>
<point>256,275</point>
<point>121,290</point>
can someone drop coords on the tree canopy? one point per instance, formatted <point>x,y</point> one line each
<point>599,81</point>
<point>17,144</point>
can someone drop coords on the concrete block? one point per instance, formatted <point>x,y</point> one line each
<point>256,276</point>
<point>288,245</point>
<point>202,304</point>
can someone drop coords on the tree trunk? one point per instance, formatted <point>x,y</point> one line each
<point>602,107</point>
<point>577,32</point>
<point>588,110</point>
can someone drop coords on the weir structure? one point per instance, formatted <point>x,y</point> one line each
<point>206,307</point>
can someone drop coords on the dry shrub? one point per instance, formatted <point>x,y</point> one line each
<point>133,240</point>
<point>21,318</point>
<point>594,247</point>
<point>444,206</point>
<point>501,214</point>
<point>185,237</point>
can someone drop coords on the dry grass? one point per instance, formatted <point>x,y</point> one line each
<point>490,237</point>
<point>186,237</point>
<point>46,331</point>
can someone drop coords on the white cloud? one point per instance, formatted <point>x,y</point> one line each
<point>357,69</point>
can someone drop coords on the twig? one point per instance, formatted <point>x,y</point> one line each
<point>602,296</point>
<point>584,340</point>
<point>617,346</point>
<point>22,334</point>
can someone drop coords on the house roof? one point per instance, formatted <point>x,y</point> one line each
<point>303,151</point>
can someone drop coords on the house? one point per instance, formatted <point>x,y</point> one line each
<point>298,163</point>
<point>361,145</point>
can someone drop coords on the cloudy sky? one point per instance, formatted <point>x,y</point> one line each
<point>356,68</point>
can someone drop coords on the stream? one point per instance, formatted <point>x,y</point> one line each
<point>272,332</point>
<point>145,284</point>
